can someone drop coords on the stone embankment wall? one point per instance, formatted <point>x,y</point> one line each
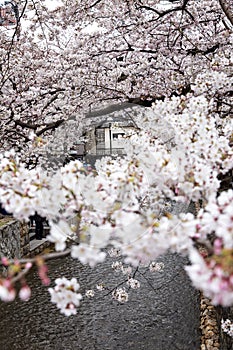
<point>24,239</point>
<point>14,238</point>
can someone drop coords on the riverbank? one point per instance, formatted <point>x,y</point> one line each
<point>210,339</point>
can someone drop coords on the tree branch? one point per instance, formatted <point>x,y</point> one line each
<point>25,125</point>
<point>94,4</point>
<point>49,256</point>
<point>227,6</point>
<point>50,126</point>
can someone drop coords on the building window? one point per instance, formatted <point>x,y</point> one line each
<point>117,136</point>
<point>100,137</point>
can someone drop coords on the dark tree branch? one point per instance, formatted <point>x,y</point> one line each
<point>13,131</point>
<point>51,126</point>
<point>94,4</point>
<point>26,125</point>
<point>227,7</point>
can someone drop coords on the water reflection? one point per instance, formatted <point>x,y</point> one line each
<point>162,315</point>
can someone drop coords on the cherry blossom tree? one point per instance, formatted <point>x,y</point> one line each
<point>83,54</point>
<point>174,58</point>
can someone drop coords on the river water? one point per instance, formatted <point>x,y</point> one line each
<point>163,314</point>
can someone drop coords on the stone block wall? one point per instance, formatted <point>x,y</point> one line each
<point>14,238</point>
<point>24,239</point>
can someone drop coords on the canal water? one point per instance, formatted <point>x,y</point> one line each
<point>163,314</point>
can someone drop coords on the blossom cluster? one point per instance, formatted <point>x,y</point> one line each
<point>227,327</point>
<point>217,218</point>
<point>120,295</point>
<point>8,290</point>
<point>213,275</point>
<point>65,295</point>
<point>156,266</point>
<point>133,283</point>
